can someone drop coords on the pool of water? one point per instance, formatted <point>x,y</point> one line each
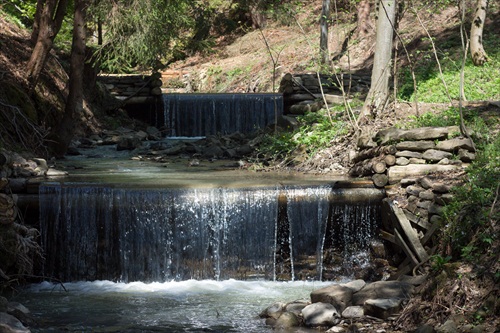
<point>184,306</point>
<point>104,164</point>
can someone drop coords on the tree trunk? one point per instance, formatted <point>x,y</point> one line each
<point>364,25</point>
<point>479,56</point>
<point>323,39</point>
<point>48,21</point>
<point>379,89</point>
<point>74,104</point>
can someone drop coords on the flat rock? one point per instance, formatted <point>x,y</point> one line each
<point>337,295</point>
<point>354,311</point>
<point>408,154</point>
<point>383,290</point>
<point>434,155</point>
<point>424,133</point>
<point>382,308</point>
<point>415,145</point>
<point>355,285</point>
<point>453,145</point>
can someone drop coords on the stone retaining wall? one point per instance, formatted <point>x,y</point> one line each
<point>417,168</point>
<point>136,85</point>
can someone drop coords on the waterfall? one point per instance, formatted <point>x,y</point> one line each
<point>194,115</point>
<point>97,232</point>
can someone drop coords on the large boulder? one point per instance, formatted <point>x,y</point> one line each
<point>337,295</point>
<point>383,290</point>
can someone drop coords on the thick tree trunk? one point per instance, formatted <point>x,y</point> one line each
<point>74,104</point>
<point>48,21</point>
<point>379,89</point>
<point>479,56</point>
<point>323,39</point>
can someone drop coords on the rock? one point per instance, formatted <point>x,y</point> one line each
<point>408,154</point>
<point>415,145</point>
<point>10,324</point>
<point>320,314</point>
<point>354,311</point>
<point>426,195</point>
<point>383,290</point>
<point>213,151</point>
<point>56,173</point>
<point>435,209</point>
<point>433,155</point>
<point>414,190</point>
<point>425,329</point>
<point>397,173</point>
<point>382,308</point>
<point>425,182</point>
<point>153,133</point>
<point>355,285</point>
<point>424,133</point>
<point>128,142</point>
<point>402,161</point>
<point>21,312</point>
<point>441,188</point>
<point>453,145</point>
<point>444,161</point>
<point>414,160</point>
<point>287,320</point>
<point>466,156</point>
<point>336,329</point>
<point>296,306</point>
<point>425,204</point>
<point>273,311</point>
<point>449,326</point>
<point>337,295</point>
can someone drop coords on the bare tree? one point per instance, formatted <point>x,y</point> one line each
<point>479,56</point>
<point>48,21</point>
<point>323,39</point>
<point>378,94</point>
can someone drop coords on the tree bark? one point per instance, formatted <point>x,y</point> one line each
<point>48,21</point>
<point>74,104</point>
<point>479,56</point>
<point>364,25</point>
<point>323,39</point>
<point>379,89</point>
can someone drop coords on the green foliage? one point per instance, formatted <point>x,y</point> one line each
<point>142,33</point>
<point>438,262</point>
<point>469,216</point>
<point>480,83</point>
<point>20,12</point>
<point>315,132</point>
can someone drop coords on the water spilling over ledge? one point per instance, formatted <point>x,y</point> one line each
<point>192,115</point>
<point>98,232</point>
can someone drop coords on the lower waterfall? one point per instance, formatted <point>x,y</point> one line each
<point>97,232</point>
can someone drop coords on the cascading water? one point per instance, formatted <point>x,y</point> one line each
<point>192,115</point>
<point>92,232</point>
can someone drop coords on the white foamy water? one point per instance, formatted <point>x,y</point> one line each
<point>184,306</point>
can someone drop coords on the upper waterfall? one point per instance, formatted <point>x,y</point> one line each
<point>193,115</point>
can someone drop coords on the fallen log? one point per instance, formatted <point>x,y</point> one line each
<point>368,167</point>
<point>380,179</point>
<point>398,172</point>
<point>375,151</point>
